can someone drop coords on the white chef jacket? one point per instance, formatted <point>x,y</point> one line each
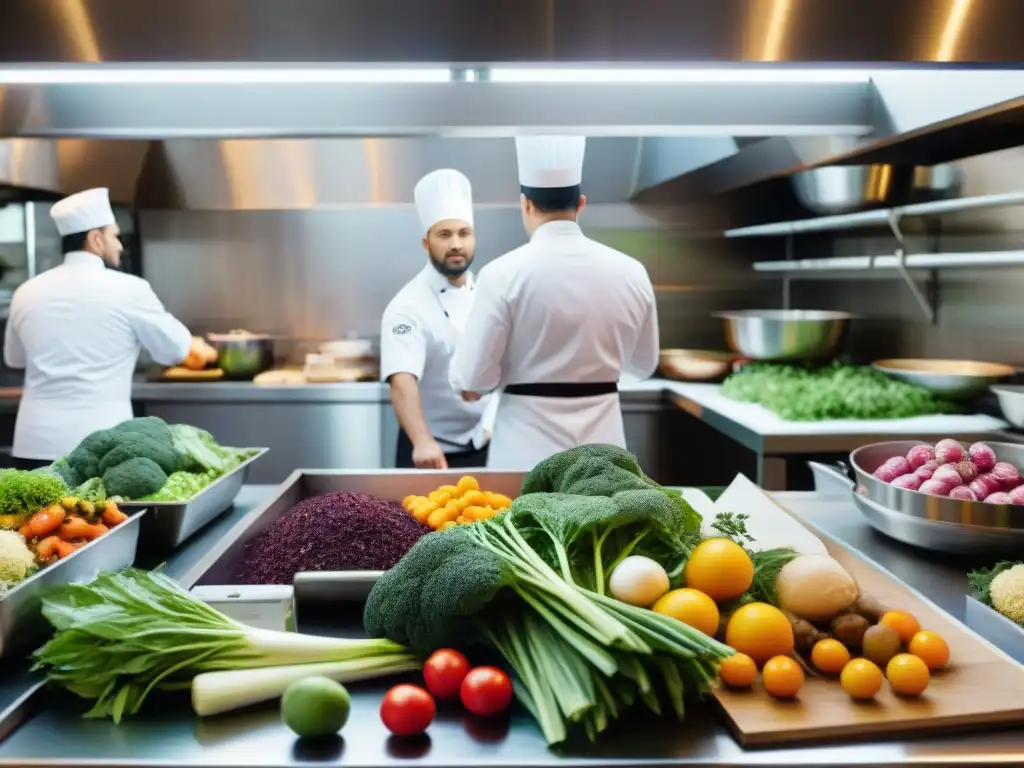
<point>562,308</point>
<point>420,330</point>
<point>77,330</point>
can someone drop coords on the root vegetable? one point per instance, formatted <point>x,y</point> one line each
<point>1007,475</point>
<point>999,497</point>
<point>910,482</point>
<point>935,487</point>
<point>963,493</point>
<point>815,587</point>
<point>983,457</point>
<point>967,470</point>
<point>920,455</point>
<point>1017,496</point>
<point>949,451</point>
<point>805,634</point>
<point>886,473</point>
<point>985,485</point>
<point>925,471</point>
<point>948,475</point>
<point>870,608</point>
<point>880,644</point>
<point>639,581</point>
<point>849,629</point>
<point>45,521</point>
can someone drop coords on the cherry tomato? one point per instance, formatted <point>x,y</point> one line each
<point>486,691</point>
<point>407,710</point>
<point>444,672</point>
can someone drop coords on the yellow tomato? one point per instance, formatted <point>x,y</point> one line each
<point>460,520</point>
<point>690,607</point>
<point>441,497</point>
<point>451,490</point>
<point>497,500</point>
<point>931,648</point>
<point>437,518</point>
<point>466,484</point>
<point>761,631</point>
<point>719,568</point>
<point>449,524</point>
<point>907,674</point>
<point>475,499</point>
<point>782,677</point>
<point>861,679</point>
<point>407,502</point>
<point>902,623</point>
<point>830,656</point>
<point>738,671</point>
<point>424,510</point>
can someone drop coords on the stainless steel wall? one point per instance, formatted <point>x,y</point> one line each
<point>322,274</point>
<point>980,311</point>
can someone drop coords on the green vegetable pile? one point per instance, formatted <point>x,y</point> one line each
<point>532,583</point>
<point>146,460</point>
<point>835,392</point>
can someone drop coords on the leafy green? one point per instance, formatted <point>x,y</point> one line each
<point>23,491</point>
<point>834,392</point>
<point>129,633</point>
<point>91,490</point>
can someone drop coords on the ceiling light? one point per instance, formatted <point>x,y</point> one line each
<point>109,74</point>
<point>739,75</point>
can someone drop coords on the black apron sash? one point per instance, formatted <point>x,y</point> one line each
<point>564,390</point>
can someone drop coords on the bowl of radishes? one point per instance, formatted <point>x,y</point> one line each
<point>950,480</point>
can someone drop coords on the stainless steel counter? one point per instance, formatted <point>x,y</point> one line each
<point>170,736</point>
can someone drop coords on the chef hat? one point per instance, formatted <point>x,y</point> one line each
<point>550,161</point>
<point>83,211</point>
<point>442,195</point>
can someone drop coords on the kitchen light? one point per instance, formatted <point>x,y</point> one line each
<point>739,75</point>
<point>112,74</point>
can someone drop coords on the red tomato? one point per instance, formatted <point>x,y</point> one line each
<point>486,691</point>
<point>444,672</point>
<point>407,710</point>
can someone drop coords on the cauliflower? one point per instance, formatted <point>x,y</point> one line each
<point>1007,593</point>
<point>16,559</point>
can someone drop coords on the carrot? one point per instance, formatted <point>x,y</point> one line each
<point>77,528</point>
<point>45,521</point>
<point>47,548</point>
<point>25,531</point>
<point>65,548</point>
<point>112,515</point>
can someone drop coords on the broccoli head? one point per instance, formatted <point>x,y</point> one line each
<point>151,426</point>
<point>140,444</point>
<point>134,478</point>
<point>85,459</point>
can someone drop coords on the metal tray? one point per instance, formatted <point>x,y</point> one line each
<point>995,628</point>
<point>220,565</point>
<point>170,523</point>
<point>21,620</point>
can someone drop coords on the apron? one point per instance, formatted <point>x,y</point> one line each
<point>51,429</point>
<point>532,427</point>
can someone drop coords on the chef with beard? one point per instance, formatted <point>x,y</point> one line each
<point>421,328</point>
<point>557,321</point>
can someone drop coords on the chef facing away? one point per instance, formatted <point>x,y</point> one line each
<point>77,330</point>
<point>421,328</point>
<point>555,322</point>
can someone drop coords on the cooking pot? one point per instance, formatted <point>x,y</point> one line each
<point>242,355</point>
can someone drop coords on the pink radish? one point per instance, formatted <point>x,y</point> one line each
<point>949,451</point>
<point>982,456</point>
<point>947,474</point>
<point>985,485</point>
<point>963,493</point>
<point>935,487</point>
<point>920,455</point>
<point>925,471</point>
<point>998,498</point>
<point>911,482</point>
<point>1007,474</point>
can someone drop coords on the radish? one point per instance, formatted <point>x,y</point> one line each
<point>982,456</point>
<point>999,498</point>
<point>926,470</point>
<point>963,493</point>
<point>911,482</point>
<point>1007,474</point>
<point>947,474</point>
<point>920,455</point>
<point>886,473</point>
<point>949,451</point>
<point>967,470</point>
<point>1017,496</point>
<point>985,484</point>
<point>935,487</point>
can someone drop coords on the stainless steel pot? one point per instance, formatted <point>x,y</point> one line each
<point>838,189</point>
<point>242,355</point>
<point>785,335</point>
<point>974,514</point>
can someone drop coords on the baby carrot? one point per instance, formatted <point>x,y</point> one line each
<point>47,548</point>
<point>77,528</point>
<point>65,548</point>
<point>45,521</point>
<point>112,515</point>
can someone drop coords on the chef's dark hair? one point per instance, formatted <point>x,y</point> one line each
<point>74,242</point>
<point>553,199</point>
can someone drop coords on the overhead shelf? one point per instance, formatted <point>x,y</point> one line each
<point>881,217</point>
<point>895,261</point>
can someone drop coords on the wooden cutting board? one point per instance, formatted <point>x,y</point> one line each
<point>981,686</point>
<point>187,374</point>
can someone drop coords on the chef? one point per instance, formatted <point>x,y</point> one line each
<point>421,329</point>
<point>77,330</point>
<point>556,321</point>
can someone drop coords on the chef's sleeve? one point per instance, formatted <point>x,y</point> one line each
<point>476,365</point>
<point>644,360</point>
<point>403,345</point>
<point>14,349</point>
<point>491,411</point>
<point>160,333</point>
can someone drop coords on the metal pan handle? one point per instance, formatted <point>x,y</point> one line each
<point>831,478</point>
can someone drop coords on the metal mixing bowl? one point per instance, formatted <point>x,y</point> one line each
<point>695,364</point>
<point>785,334</point>
<point>952,379</point>
<point>838,189</point>
<point>242,355</point>
<point>1011,401</point>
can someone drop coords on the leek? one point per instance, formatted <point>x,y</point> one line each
<point>126,634</point>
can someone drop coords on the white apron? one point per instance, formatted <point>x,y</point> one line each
<point>47,430</point>
<point>529,429</point>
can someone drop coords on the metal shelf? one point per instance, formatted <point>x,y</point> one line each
<point>894,261</point>
<point>878,217</point>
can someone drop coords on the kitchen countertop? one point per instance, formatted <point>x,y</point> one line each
<point>169,737</point>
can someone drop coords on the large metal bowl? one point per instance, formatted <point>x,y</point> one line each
<point>973,514</point>
<point>242,355</point>
<point>784,335</point>
<point>952,379</point>
<point>695,364</point>
<point>1011,401</point>
<point>838,189</point>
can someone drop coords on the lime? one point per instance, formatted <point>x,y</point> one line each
<point>315,706</point>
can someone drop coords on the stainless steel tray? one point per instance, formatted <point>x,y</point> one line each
<point>169,524</point>
<point>220,565</point>
<point>995,628</point>
<point>21,620</point>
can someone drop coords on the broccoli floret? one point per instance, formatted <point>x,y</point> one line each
<point>140,445</point>
<point>151,426</point>
<point>134,478</point>
<point>85,459</point>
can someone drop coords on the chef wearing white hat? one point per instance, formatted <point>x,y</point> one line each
<point>77,330</point>
<point>421,328</point>
<point>556,321</point>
